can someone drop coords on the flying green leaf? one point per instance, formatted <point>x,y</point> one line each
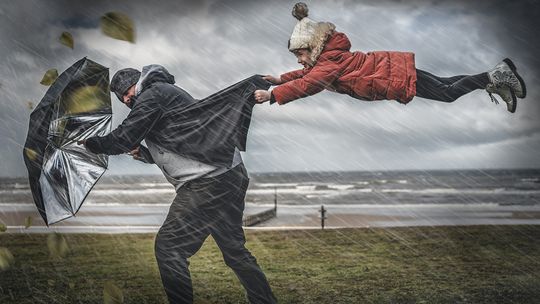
<point>6,259</point>
<point>58,247</point>
<point>31,154</point>
<point>28,222</point>
<point>3,227</point>
<point>66,39</point>
<point>49,77</point>
<point>118,26</point>
<point>112,294</point>
<point>86,99</point>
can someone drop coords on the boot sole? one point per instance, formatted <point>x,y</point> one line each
<point>513,109</point>
<point>514,70</point>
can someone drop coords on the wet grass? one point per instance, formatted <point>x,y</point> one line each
<point>476,264</point>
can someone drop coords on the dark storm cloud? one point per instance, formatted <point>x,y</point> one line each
<point>80,21</point>
<point>208,45</point>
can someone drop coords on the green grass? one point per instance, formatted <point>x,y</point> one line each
<point>475,264</point>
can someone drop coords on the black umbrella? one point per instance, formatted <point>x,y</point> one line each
<point>62,173</point>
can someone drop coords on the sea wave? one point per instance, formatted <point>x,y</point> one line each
<point>462,191</point>
<point>274,185</point>
<point>318,190</point>
<point>117,192</point>
<point>153,185</point>
<point>530,180</point>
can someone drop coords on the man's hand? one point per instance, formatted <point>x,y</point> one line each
<point>272,79</point>
<point>261,96</point>
<point>135,153</point>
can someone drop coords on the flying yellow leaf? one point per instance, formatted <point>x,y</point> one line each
<point>86,99</point>
<point>118,26</point>
<point>6,259</point>
<point>112,294</point>
<point>66,39</point>
<point>31,154</point>
<point>49,77</point>
<point>28,222</point>
<point>3,227</point>
<point>58,247</point>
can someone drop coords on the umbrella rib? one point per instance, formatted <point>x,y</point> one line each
<point>68,178</point>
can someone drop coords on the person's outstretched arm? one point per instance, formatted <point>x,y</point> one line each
<point>305,84</point>
<point>128,135</point>
<point>285,77</point>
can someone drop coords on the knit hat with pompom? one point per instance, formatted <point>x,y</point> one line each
<point>309,34</point>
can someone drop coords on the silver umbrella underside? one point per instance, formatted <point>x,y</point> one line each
<point>61,172</point>
<point>69,171</point>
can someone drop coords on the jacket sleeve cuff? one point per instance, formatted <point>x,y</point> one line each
<point>100,145</point>
<point>272,98</point>
<point>93,145</point>
<point>145,154</point>
<point>278,96</point>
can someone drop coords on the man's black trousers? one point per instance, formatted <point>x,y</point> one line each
<point>203,207</point>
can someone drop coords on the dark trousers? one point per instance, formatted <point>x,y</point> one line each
<point>203,207</point>
<point>448,89</point>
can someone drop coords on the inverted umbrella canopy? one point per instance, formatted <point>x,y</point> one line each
<point>61,173</point>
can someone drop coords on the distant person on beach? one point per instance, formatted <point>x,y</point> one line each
<point>329,64</point>
<point>210,187</point>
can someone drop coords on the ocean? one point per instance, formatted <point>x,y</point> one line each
<point>138,204</point>
<point>501,187</point>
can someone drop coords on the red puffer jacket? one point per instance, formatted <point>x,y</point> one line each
<point>371,76</point>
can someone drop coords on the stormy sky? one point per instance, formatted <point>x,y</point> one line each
<point>209,45</point>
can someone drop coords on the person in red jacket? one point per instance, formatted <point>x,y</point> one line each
<point>329,64</point>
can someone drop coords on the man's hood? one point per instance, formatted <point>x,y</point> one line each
<point>151,74</point>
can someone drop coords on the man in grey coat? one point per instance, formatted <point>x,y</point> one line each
<point>196,144</point>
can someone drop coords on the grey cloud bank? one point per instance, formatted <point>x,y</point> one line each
<point>210,45</point>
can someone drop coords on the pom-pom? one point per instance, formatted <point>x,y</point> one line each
<point>300,10</point>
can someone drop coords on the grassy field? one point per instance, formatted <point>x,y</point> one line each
<point>476,264</point>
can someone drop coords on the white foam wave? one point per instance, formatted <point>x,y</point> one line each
<point>14,191</point>
<point>462,191</point>
<point>275,185</point>
<point>340,186</point>
<point>108,192</point>
<point>307,190</point>
<point>153,185</point>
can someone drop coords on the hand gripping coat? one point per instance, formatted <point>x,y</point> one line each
<point>366,76</point>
